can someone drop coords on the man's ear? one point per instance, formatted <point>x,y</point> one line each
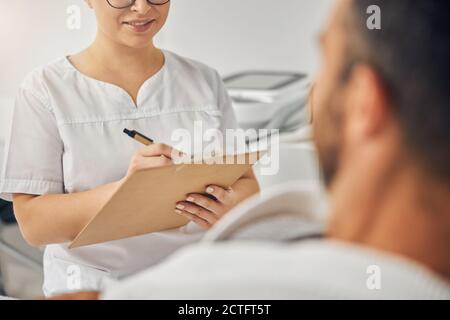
<point>367,102</point>
<point>89,3</point>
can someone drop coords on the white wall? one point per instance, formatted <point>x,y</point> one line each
<point>233,35</point>
<point>229,35</point>
<point>35,33</point>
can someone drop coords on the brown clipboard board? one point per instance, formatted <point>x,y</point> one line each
<point>146,201</point>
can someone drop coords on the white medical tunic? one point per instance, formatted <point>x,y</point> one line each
<point>67,137</point>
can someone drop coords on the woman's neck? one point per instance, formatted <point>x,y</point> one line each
<point>120,65</point>
<point>114,56</point>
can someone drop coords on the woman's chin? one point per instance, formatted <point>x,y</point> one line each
<point>138,43</point>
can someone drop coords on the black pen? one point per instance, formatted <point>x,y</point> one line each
<point>138,137</point>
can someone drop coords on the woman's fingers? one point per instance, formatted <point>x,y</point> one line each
<point>200,209</point>
<point>155,155</point>
<point>222,195</point>
<point>205,202</point>
<point>197,211</point>
<point>142,163</point>
<point>201,222</point>
<point>152,162</point>
<point>159,149</point>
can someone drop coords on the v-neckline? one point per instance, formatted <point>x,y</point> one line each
<point>136,104</point>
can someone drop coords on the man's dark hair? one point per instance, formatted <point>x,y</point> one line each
<point>411,54</point>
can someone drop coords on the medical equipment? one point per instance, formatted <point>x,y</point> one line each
<point>269,100</point>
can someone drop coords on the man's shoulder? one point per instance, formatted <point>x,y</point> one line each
<point>313,269</point>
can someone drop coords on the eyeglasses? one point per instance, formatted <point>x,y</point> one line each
<point>122,4</point>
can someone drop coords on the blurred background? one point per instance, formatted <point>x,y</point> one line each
<point>229,35</point>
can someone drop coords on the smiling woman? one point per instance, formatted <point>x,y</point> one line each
<point>67,153</point>
<point>115,20</point>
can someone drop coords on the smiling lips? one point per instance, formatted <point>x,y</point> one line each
<point>140,25</point>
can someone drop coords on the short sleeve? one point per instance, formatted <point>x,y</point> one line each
<point>32,162</point>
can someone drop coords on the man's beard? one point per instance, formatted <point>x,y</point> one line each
<point>328,138</point>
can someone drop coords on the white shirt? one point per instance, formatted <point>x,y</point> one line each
<point>67,136</point>
<point>227,265</point>
<point>271,271</point>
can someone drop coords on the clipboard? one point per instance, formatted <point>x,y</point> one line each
<point>145,202</point>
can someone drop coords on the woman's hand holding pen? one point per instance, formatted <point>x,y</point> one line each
<point>204,210</point>
<point>151,156</point>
